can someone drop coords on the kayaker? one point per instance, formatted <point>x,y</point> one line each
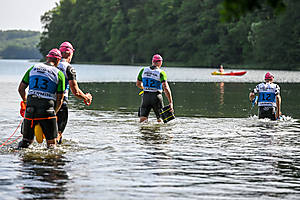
<point>153,81</point>
<point>221,69</point>
<point>67,52</point>
<point>45,97</point>
<point>269,99</point>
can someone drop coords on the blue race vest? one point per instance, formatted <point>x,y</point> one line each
<point>151,80</point>
<point>43,81</point>
<point>62,66</point>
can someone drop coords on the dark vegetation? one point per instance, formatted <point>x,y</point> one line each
<point>18,44</point>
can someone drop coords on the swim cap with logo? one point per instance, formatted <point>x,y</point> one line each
<point>157,58</point>
<point>66,47</point>
<point>269,76</point>
<point>54,53</point>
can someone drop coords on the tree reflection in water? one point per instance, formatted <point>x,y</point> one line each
<point>43,175</point>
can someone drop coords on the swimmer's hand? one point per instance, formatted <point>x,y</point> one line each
<point>88,99</point>
<point>171,107</point>
<point>23,108</point>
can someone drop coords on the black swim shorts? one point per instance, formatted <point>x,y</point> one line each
<point>62,117</point>
<point>267,112</point>
<point>151,100</point>
<point>40,108</point>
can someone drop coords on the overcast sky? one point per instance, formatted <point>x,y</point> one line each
<point>23,14</point>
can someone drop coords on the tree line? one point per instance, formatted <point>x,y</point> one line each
<point>184,32</point>
<point>19,44</point>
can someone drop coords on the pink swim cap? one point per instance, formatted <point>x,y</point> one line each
<point>157,58</point>
<point>269,76</point>
<point>66,47</point>
<point>54,53</point>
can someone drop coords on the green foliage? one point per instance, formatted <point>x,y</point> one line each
<point>19,44</point>
<point>187,32</point>
<point>233,9</point>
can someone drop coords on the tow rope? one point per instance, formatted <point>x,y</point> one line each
<point>5,143</point>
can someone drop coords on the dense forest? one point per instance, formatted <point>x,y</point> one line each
<point>184,32</point>
<point>18,44</point>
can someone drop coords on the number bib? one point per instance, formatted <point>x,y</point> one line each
<point>267,94</point>
<point>266,99</point>
<point>62,66</point>
<point>151,80</point>
<point>43,80</point>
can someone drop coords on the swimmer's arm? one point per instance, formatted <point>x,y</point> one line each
<point>251,96</point>
<point>278,105</point>
<point>59,101</point>
<point>168,93</point>
<point>22,91</point>
<point>139,80</point>
<point>139,84</point>
<point>78,92</point>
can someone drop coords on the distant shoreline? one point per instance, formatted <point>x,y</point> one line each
<point>171,64</point>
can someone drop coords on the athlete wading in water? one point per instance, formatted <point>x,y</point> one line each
<point>67,52</point>
<point>153,81</point>
<point>45,97</point>
<point>269,100</point>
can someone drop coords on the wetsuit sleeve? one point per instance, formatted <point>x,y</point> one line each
<point>71,73</point>
<point>163,76</point>
<point>25,78</point>
<point>140,78</point>
<point>256,90</point>
<point>61,82</point>
<point>277,90</point>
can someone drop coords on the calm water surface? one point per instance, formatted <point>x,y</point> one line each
<point>216,148</point>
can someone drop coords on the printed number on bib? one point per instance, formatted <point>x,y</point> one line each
<point>266,97</point>
<point>151,83</point>
<point>40,83</point>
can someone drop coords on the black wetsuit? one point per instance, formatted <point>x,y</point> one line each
<point>39,108</point>
<point>151,100</point>
<point>62,114</point>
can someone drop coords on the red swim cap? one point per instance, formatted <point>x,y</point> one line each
<point>157,58</point>
<point>66,47</point>
<point>269,76</point>
<point>54,53</point>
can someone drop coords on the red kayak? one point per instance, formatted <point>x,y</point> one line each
<point>229,73</point>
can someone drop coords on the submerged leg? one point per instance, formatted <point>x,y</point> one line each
<point>143,119</point>
<point>51,143</point>
<point>24,143</point>
<point>59,138</point>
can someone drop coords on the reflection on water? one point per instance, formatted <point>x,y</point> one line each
<point>190,99</point>
<point>212,150</point>
<point>43,174</point>
<point>188,158</point>
<point>221,84</point>
<point>156,133</point>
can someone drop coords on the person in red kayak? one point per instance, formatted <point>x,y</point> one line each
<point>269,100</point>
<point>221,69</point>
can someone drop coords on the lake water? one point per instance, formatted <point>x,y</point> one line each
<point>216,148</point>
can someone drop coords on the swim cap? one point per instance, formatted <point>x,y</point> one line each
<point>66,47</point>
<point>156,58</point>
<point>269,76</point>
<point>54,53</point>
